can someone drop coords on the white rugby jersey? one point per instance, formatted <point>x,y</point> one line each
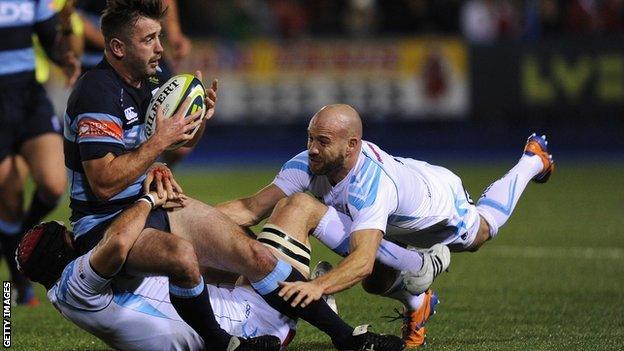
<point>136,313</point>
<point>410,200</point>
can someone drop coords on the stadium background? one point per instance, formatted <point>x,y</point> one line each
<point>455,83</point>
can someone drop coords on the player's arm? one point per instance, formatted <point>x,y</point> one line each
<point>111,252</point>
<point>55,37</point>
<point>171,23</point>
<point>110,174</point>
<point>251,210</point>
<point>353,269</point>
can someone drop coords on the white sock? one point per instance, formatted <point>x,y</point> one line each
<point>393,255</point>
<point>399,293</point>
<point>500,198</point>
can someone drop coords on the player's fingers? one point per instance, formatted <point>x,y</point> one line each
<point>147,182</point>
<point>286,291</point>
<point>169,189</point>
<point>298,298</point>
<point>195,117</point>
<point>308,301</point>
<point>182,109</point>
<point>199,75</point>
<point>159,185</point>
<point>215,85</point>
<point>176,187</point>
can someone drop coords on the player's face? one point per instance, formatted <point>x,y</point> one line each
<point>144,49</point>
<point>326,151</point>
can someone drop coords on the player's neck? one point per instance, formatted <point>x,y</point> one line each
<point>124,73</point>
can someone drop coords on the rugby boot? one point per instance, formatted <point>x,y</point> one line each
<point>413,329</point>
<point>320,269</point>
<point>435,261</point>
<point>26,295</point>
<point>258,343</point>
<point>538,145</point>
<point>364,340</point>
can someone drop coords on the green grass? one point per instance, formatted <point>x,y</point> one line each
<point>511,295</point>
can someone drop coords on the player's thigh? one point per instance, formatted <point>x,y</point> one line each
<point>44,155</point>
<point>159,253</point>
<point>218,241</point>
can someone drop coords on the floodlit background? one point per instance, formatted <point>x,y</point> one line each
<point>455,83</point>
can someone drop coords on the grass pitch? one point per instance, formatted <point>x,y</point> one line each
<point>553,279</point>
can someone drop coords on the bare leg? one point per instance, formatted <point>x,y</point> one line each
<point>219,242</point>
<point>44,155</point>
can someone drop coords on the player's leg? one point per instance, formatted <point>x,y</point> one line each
<point>499,199</point>
<point>11,213</point>
<point>44,155</point>
<point>221,242</point>
<point>159,253</point>
<point>41,145</point>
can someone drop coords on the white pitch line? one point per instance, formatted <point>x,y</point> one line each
<point>590,253</point>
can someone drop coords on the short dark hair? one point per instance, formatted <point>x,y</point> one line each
<point>120,16</point>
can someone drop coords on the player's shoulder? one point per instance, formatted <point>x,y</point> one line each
<point>298,162</point>
<point>98,90</point>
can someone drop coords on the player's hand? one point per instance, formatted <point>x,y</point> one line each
<point>160,179</point>
<point>173,130</point>
<point>211,96</point>
<point>71,68</point>
<point>158,200</point>
<point>301,293</point>
<point>181,45</point>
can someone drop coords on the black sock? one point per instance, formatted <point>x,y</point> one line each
<point>197,312</point>
<point>318,313</point>
<point>37,211</point>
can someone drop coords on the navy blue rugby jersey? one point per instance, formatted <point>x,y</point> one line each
<point>104,115</point>
<point>18,21</point>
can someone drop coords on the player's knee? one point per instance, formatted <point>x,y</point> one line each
<point>183,262</point>
<point>51,189</point>
<point>261,257</point>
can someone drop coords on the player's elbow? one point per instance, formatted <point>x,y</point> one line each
<point>365,268</point>
<point>103,192</point>
<point>118,248</point>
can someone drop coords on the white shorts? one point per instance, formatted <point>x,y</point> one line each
<point>242,312</point>
<point>457,222</point>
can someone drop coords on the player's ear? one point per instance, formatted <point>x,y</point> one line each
<point>117,48</point>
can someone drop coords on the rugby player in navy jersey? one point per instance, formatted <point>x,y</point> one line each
<point>107,158</point>
<point>28,126</point>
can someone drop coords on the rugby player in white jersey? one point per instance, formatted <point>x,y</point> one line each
<point>132,313</point>
<point>374,205</point>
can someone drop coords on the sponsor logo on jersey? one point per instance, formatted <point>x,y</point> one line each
<point>13,12</point>
<point>131,116</point>
<point>88,128</point>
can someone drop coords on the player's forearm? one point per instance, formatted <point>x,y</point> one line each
<point>111,253</point>
<point>171,22</point>
<point>239,212</point>
<point>92,34</point>
<point>124,170</point>
<point>352,270</point>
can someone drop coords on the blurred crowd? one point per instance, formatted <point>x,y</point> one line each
<point>479,21</point>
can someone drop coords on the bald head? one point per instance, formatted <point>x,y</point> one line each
<point>334,141</point>
<point>341,119</point>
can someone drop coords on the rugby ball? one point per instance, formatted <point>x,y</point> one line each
<point>170,96</point>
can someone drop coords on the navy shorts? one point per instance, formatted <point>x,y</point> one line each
<point>157,219</point>
<point>25,113</point>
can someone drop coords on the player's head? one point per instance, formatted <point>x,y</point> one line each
<point>44,252</point>
<point>334,139</point>
<point>131,30</point>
